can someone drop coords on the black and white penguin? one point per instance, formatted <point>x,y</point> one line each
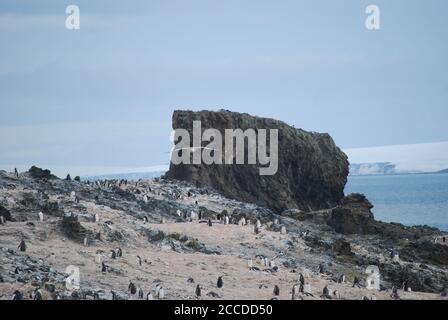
<point>198,291</point>
<point>119,253</point>
<point>22,246</point>
<point>301,279</point>
<point>341,278</point>
<point>139,259</point>
<point>220,283</point>
<point>276,290</point>
<point>103,267</point>
<point>356,283</point>
<point>140,293</point>
<point>210,222</point>
<point>16,173</point>
<point>326,293</point>
<point>17,295</point>
<point>145,219</point>
<point>132,288</point>
<point>37,294</point>
<point>149,296</point>
<point>113,254</point>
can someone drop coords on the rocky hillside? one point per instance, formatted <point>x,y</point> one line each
<point>177,236</point>
<point>312,170</point>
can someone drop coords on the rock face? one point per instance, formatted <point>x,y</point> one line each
<point>312,170</point>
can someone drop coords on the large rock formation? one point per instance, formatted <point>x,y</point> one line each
<point>312,170</point>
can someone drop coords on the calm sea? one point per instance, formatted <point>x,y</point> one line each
<point>416,199</point>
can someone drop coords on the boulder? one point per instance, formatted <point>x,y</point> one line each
<point>312,170</point>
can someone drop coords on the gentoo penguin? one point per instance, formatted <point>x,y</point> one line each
<point>132,288</point>
<point>256,230</point>
<point>86,242</point>
<point>220,283</point>
<point>113,254</point>
<point>119,252</point>
<point>258,224</point>
<point>140,293</point>
<point>210,222</point>
<point>149,296</point>
<point>103,267</point>
<point>145,219</point>
<point>52,258</point>
<point>198,291</point>
<point>17,295</point>
<point>139,259</point>
<point>295,290</point>
<point>76,199</point>
<point>16,173</point>
<point>276,290</point>
<point>96,217</point>
<point>320,268</point>
<point>114,295</point>
<point>2,220</point>
<point>365,298</point>
<point>22,246</point>
<point>341,278</point>
<point>41,216</point>
<point>157,289</point>
<point>395,293</point>
<point>178,213</point>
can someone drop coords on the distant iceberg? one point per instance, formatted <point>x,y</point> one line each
<point>399,159</point>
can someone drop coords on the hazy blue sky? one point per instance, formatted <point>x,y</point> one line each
<point>104,95</point>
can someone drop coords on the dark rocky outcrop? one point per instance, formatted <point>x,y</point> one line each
<point>312,170</point>
<point>342,248</point>
<point>38,173</point>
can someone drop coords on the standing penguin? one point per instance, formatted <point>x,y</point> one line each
<point>139,259</point>
<point>17,295</point>
<point>140,293</point>
<point>113,254</point>
<point>41,216</point>
<point>119,252</point>
<point>210,222</point>
<point>198,291</point>
<point>22,246</point>
<point>161,294</point>
<point>301,279</point>
<point>149,296</point>
<point>37,294</point>
<point>132,288</point>
<point>16,173</point>
<point>341,279</point>
<point>220,283</point>
<point>98,257</point>
<point>326,293</point>
<point>2,220</point>
<point>276,290</point>
<point>145,219</point>
<point>103,267</point>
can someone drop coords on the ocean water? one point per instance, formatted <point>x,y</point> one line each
<point>414,199</point>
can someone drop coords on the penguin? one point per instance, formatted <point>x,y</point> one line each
<point>37,294</point>
<point>220,283</point>
<point>2,220</point>
<point>326,293</point>
<point>41,216</point>
<point>16,173</point>
<point>103,267</point>
<point>256,230</point>
<point>131,288</point>
<point>365,298</point>
<point>356,283</point>
<point>394,294</point>
<point>76,199</point>
<point>198,291</point>
<point>139,259</point>
<point>210,222</point>
<point>17,295</point>
<point>341,278</point>
<point>96,217</point>
<point>276,290</point>
<point>283,230</point>
<point>119,252</point>
<point>86,242</point>
<point>22,246</point>
<point>301,279</point>
<point>258,224</point>
<point>52,258</point>
<point>140,293</point>
<point>17,270</point>
<point>373,297</point>
<point>114,295</point>
<point>145,219</point>
<point>161,294</point>
<point>320,268</point>
<point>295,290</point>
<point>157,289</point>
<point>149,296</point>
<point>113,255</point>
<point>98,257</point>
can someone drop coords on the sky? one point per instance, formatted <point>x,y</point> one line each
<point>101,98</point>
